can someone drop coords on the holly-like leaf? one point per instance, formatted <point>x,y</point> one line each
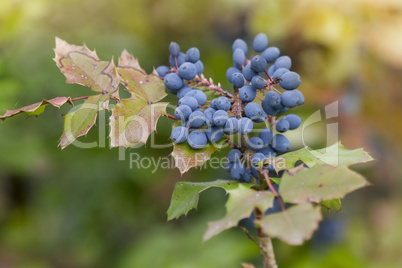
<point>82,66</point>
<point>319,183</point>
<point>335,155</point>
<point>141,85</point>
<point>292,226</point>
<point>132,121</point>
<point>82,117</point>
<point>240,205</point>
<point>37,108</point>
<point>186,157</point>
<point>186,194</point>
<point>333,205</point>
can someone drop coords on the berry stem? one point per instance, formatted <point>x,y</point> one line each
<point>171,117</point>
<point>80,98</point>
<point>202,81</point>
<point>232,144</point>
<point>277,196</point>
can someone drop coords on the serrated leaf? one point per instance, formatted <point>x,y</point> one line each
<point>186,157</point>
<point>82,66</point>
<point>132,121</point>
<point>293,226</point>
<point>333,205</point>
<point>240,205</point>
<point>37,108</point>
<point>334,155</point>
<point>82,117</point>
<point>186,194</point>
<point>141,85</point>
<point>319,183</point>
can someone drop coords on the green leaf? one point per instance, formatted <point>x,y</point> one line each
<point>333,205</point>
<point>240,205</point>
<point>82,117</point>
<point>37,108</point>
<point>131,122</point>
<point>141,85</point>
<point>319,183</point>
<point>335,155</point>
<point>82,66</point>
<point>185,195</point>
<point>293,226</point>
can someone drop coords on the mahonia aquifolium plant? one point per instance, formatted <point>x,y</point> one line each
<point>251,119</point>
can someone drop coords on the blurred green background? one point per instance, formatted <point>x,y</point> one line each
<point>85,208</point>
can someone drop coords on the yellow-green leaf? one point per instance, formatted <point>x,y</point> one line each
<point>240,205</point>
<point>293,226</point>
<point>82,117</point>
<point>319,183</point>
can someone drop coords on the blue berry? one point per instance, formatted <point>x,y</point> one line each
<point>162,70</point>
<point>260,118</point>
<point>257,157</point>
<point>273,99</point>
<point>179,134</point>
<point>258,82</point>
<point>299,96</point>
<point>248,73</point>
<point>279,72</point>
<point>214,134</point>
<point>280,143</point>
<point>229,73</point>
<point>189,101</point>
<point>237,80</point>
<point>214,102</point>
<point>245,125</point>
<point>271,70</point>
<point>258,64</point>
<point>193,55</point>
<point>234,155</point>
<point>187,71</point>
<point>268,151</point>
<point>255,143</point>
<point>270,54</point>
<point>282,125</point>
<point>198,95</point>
<point>294,121</point>
<point>240,43</point>
<point>266,135</point>
<point>183,91</point>
<point>247,93</point>
<point>196,119</point>
<point>260,42</point>
<point>173,82</point>
<point>223,103</point>
<point>182,112</point>
<point>254,172</point>
<point>209,115</point>
<point>231,126</point>
<point>237,171</point>
<point>197,139</point>
<point>290,80</point>
<point>239,58</point>
<point>180,60</point>
<point>290,99</point>
<point>228,166</point>
<point>283,62</point>
<point>220,117</point>
<point>253,110</point>
<point>174,49</point>
<point>246,176</point>
<point>268,108</point>
<point>200,67</point>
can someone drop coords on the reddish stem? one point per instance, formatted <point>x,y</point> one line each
<point>277,196</point>
<point>171,117</point>
<point>231,144</point>
<point>80,98</point>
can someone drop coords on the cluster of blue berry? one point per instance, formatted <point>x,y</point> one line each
<point>203,120</point>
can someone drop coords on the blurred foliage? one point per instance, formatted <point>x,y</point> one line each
<point>86,208</point>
